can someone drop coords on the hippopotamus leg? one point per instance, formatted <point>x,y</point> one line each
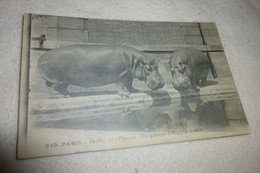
<point>203,81</point>
<point>129,86</point>
<point>194,83</point>
<point>125,85</point>
<point>121,91</point>
<point>49,84</point>
<point>60,88</point>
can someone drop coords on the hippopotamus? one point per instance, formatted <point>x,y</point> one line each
<point>98,65</point>
<point>189,68</point>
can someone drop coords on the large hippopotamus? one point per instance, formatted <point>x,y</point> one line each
<point>98,65</point>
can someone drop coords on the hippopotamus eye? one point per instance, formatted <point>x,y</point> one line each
<point>180,63</point>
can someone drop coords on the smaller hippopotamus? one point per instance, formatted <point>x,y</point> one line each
<point>98,65</point>
<point>189,68</point>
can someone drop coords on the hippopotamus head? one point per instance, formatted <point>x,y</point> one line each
<point>180,61</point>
<point>150,74</point>
<point>189,68</point>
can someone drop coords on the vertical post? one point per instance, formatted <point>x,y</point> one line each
<point>213,70</point>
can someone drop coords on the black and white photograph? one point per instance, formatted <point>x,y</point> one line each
<point>95,84</point>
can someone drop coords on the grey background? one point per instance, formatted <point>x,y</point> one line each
<point>238,24</point>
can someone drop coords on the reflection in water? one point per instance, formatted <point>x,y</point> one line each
<point>148,120</point>
<point>140,120</point>
<point>204,114</point>
<point>212,114</point>
<point>191,114</point>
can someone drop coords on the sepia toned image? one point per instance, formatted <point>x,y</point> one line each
<point>92,84</point>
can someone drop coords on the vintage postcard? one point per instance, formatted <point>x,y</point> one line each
<point>91,84</point>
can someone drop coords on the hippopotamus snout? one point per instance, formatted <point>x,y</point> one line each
<point>155,80</point>
<point>159,85</point>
